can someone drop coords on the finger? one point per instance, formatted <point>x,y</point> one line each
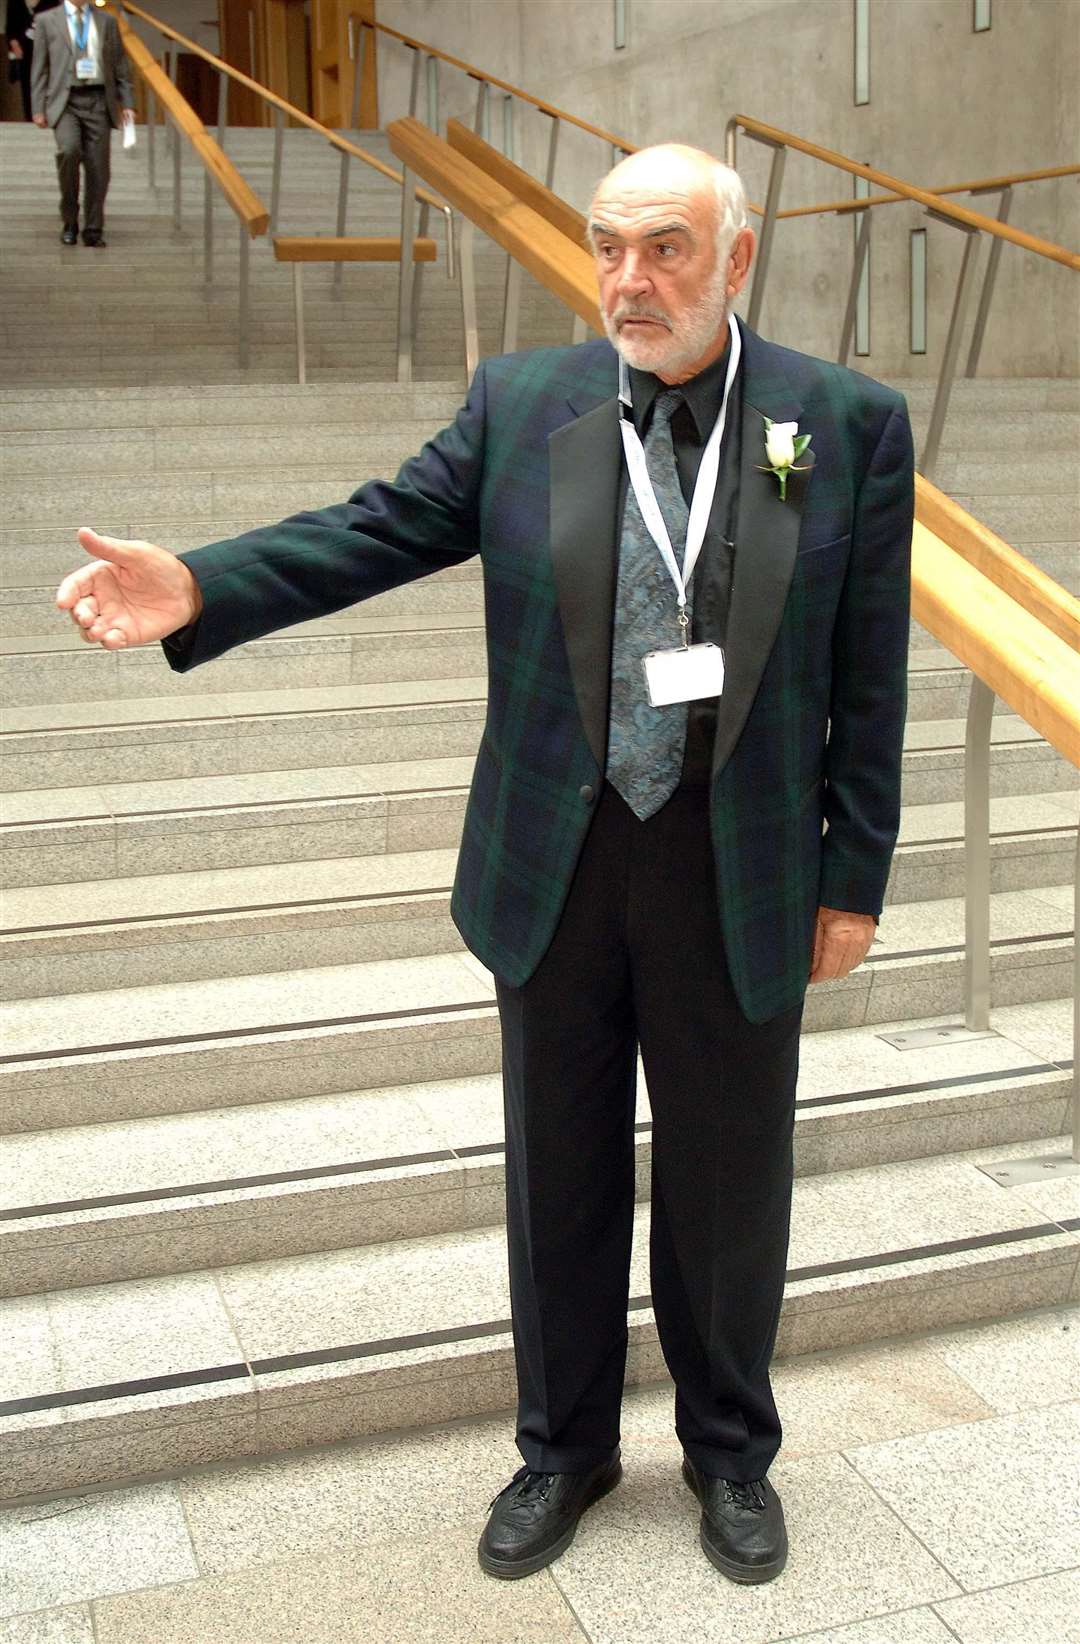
<point>114,639</point>
<point>78,584</point>
<point>117,550</point>
<point>86,611</point>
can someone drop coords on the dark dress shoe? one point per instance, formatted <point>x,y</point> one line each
<point>534,1519</point>
<point>98,241</point>
<point>742,1525</point>
<point>70,236</point>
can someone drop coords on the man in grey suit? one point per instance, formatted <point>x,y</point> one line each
<point>81,87</point>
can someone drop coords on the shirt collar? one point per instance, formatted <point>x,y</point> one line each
<point>704,395</point>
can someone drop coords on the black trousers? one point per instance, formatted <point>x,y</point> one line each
<point>638,960</point>
<point>83,135</point>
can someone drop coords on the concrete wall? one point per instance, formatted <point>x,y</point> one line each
<point>946,105</point>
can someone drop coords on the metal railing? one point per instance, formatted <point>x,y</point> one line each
<point>283,109</point>
<point>971,223</point>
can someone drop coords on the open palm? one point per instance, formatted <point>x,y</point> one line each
<point>132,594</point>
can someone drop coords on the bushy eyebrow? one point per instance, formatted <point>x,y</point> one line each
<point>598,230</point>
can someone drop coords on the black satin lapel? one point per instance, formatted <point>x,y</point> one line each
<point>766,540</point>
<point>584,459</point>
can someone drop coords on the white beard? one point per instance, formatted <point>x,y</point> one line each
<point>686,339</point>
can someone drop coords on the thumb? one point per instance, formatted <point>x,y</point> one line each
<point>115,549</point>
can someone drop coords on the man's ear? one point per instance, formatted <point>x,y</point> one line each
<point>740,257</point>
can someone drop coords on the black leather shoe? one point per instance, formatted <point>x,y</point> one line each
<point>534,1519</point>
<point>70,236</point>
<point>98,241</point>
<point>742,1525</point>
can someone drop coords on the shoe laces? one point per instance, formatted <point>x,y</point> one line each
<point>530,1487</point>
<point>750,1496</point>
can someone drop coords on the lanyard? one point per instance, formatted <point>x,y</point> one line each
<point>82,29</point>
<point>704,489</point>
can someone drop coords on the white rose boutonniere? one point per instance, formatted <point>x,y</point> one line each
<point>784,445</point>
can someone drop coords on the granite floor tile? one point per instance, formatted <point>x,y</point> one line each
<point>1045,1610</point>
<point>1044,1029</point>
<point>1058,1197</point>
<point>636,1573</point>
<point>66,1626</point>
<point>962,1491</point>
<point>920,1626</point>
<point>331,1499</point>
<point>75,1548</point>
<point>428,1589</point>
<point>1017,1364</point>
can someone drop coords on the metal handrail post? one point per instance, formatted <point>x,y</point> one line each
<point>208,230</point>
<point>243,327</point>
<point>275,181</point>
<point>553,151</point>
<point>405,277</point>
<point>360,49</point>
<point>579,331</point>
<point>222,107</point>
<point>298,309</point>
<point>772,203</point>
<point>414,84</point>
<point>986,296</point>
<point>514,270</point>
<point>480,124</point>
<point>418,269</point>
<point>151,122</point>
<point>467,266</point>
<point>1076,1004</point>
<point>433,93</point>
<point>177,219</point>
<point>862,247</point>
<point>928,465</point>
<point>980,719</point>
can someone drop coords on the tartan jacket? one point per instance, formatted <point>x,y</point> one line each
<point>805,794</point>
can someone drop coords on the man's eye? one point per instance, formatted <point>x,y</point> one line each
<point>666,249</point>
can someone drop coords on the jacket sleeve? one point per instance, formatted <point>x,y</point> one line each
<point>124,88</point>
<point>314,563</point>
<point>864,753</point>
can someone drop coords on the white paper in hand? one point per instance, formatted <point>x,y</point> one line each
<point>128,132</point>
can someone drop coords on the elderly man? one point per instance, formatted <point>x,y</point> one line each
<point>81,87</point>
<point>695,549</point>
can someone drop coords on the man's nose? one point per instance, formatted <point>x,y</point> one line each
<point>633,275</point>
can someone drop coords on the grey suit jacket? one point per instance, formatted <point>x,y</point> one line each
<point>54,65</point>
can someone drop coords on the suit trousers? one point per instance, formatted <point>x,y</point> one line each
<point>83,135</point>
<point>638,960</point>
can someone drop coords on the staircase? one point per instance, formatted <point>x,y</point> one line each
<point>251,1178</point>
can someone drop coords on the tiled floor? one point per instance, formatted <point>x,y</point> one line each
<point>931,1490</point>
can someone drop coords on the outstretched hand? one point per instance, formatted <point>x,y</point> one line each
<point>131,594</point>
<point>841,941</point>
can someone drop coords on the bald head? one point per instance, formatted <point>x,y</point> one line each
<point>668,229</point>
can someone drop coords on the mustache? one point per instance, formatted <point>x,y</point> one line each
<point>633,311</point>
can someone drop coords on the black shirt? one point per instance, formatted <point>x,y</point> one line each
<point>710,588</point>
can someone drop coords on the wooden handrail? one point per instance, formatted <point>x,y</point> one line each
<point>981,185</point>
<point>1007,646</point>
<point>475,73</point>
<point>521,183</point>
<point>564,267</point>
<point>341,143</point>
<point>239,194</point>
<point>1016,576</point>
<point>922,196</point>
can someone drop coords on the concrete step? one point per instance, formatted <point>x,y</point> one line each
<point>135,828</point>
<point>146,1198</point>
<point>437,638</point>
<point>230,922</point>
<point>132,1052</point>
<point>114,1380</point>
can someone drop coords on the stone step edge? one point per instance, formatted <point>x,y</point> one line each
<point>189,1225</point>
<point>344,1390</point>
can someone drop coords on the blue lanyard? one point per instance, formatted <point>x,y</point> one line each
<point>82,29</point>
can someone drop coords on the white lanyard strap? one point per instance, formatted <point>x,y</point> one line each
<point>704,489</point>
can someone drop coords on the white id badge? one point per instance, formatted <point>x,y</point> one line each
<point>684,675</point>
<point>84,68</point>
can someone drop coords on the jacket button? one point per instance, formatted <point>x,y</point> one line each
<point>588,794</point>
